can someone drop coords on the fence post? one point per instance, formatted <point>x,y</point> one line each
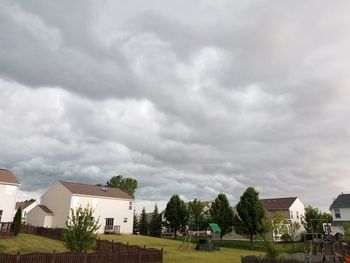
<point>18,257</point>
<point>127,246</point>
<point>139,256</point>
<point>161,255</point>
<point>112,245</point>
<point>144,247</point>
<point>53,258</point>
<point>85,257</point>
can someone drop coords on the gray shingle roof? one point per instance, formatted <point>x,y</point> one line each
<point>45,209</point>
<point>93,190</point>
<point>275,204</point>
<point>342,201</point>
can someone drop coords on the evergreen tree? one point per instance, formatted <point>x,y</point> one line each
<point>251,215</point>
<point>143,224</point>
<point>18,221</point>
<point>155,227</point>
<point>135,224</point>
<point>176,214</point>
<point>222,214</point>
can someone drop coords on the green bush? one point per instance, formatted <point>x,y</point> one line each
<point>17,221</point>
<point>286,237</point>
<point>81,231</point>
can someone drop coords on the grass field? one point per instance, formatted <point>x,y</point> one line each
<point>29,243</point>
<point>173,255</point>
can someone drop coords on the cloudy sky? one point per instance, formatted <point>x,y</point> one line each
<point>188,97</point>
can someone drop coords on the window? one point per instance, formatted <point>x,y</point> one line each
<point>125,220</point>
<point>109,221</point>
<point>0,214</point>
<point>291,214</point>
<point>297,215</point>
<point>130,205</point>
<point>337,213</point>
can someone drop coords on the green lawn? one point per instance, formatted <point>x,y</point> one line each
<point>173,255</point>
<point>30,243</point>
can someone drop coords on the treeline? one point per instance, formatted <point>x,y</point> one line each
<point>248,219</point>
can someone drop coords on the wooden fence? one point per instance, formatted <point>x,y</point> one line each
<point>53,233</point>
<point>257,259</point>
<point>141,256</point>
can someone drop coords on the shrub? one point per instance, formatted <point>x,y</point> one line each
<point>286,237</point>
<point>17,221</point>
<point>80,234</point>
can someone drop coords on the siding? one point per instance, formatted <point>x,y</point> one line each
<point>8,194</point>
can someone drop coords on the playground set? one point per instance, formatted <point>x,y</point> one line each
<point>208,240</point>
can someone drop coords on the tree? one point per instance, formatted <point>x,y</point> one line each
<point>313,220</point>
<point>197,215</point>
<point>176,214</point>
<point>17,220</point>
<point>143,224</point>
<point>278,221</point>
<point>126,184</point>
<point>155,226</point>
<point>249,220</point>
<point>346,230</point>
<point>81,227</point>
<point>135,224</point>
<point>222,214</point>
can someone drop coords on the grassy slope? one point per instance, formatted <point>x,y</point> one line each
<point>30,243</point>
<point>173,255</point>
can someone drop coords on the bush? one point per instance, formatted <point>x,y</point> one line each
<point>17,221</point>
<point>286,237</point>
<point>80,234</point>
<point>272,250</point>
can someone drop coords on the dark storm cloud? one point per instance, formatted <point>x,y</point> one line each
<point>196,98</point>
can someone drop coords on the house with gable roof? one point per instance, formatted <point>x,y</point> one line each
<point>340,210</point>
<point>9,185</point>
<point>113,207</point>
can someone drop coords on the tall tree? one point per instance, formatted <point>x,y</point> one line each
<point>143,224</point>
<point>222,214</point>
<point>135,224</point>
<point>18,221</point>
<point>127,184</point>
<point>81,229</point>
<point>155,226</point>
<point>313,220</point>
<point>197,215</point>
<point>176,214</point>
<point>251,214</point>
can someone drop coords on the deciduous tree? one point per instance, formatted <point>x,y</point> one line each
<point>126,184</point>
<point>81,229</point>
<point>197,215</point>
<point>249,220</point>
<point>176,214</point>
<point>222,214</point>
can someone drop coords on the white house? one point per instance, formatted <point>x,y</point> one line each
<point>292,208</point>
<point>340,210</point>
<point>8,193</point>
<point>113,207</point>
<point>25,206</point>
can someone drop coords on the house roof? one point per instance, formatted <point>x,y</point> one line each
<point>343,200</point>
<point>45,209</point>
<point>276,204</point>
<point>24,204</point>
<point>94,190</point>
<point>6,176</point>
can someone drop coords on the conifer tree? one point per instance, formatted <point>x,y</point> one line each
<point>143,225</point>
<point>155,228</point>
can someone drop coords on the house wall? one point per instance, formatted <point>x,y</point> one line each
<point>37,217</point>
<point>108,208</point>
<point>8,194</point>
<point>344,214</point>
<point>27,210</point>
<point>298,210</point>
<point>58,199</point>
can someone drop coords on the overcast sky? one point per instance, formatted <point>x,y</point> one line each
<point>188,97</point>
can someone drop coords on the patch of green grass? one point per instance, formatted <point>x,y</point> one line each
<point>26,243</point>
<point>173,255</point>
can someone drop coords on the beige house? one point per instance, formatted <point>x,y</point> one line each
<point>8,192</point>
<point>113,207</point>
<point>26,207</point>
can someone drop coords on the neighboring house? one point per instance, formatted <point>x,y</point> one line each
<point>340,210</point>
<point>292,208</point>
<point>113,207</point>
<point>8,191</point>
<point>26,206</point>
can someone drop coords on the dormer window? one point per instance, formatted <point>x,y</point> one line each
<point>337,213</point>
